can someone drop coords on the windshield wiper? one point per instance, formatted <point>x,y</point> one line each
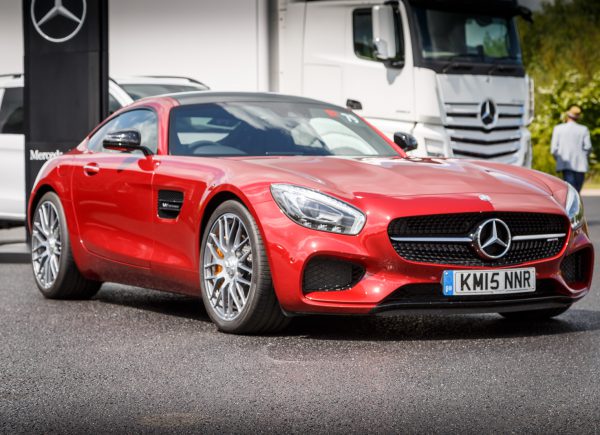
<point>502,67</point>
<point>454,64</point>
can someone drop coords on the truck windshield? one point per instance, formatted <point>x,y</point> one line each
<point>467,37</point>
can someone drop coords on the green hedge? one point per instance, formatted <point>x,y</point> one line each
<point>561,53</point>
<point>552,102</point>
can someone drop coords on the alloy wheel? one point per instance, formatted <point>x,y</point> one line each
<point>227,266</point>
<point>46,244</point>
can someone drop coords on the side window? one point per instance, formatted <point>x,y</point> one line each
<point>142,120</point>
<point>95,143</point>
<point>363,36</point>
<point>11,112</point>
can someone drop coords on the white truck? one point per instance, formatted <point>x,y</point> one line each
<point>449,72</point>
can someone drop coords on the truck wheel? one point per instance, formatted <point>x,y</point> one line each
<point>54,269</point>
<point>235,278</point>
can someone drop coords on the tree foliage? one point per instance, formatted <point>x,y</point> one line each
<point>560,51</point>
<point>552,102</point>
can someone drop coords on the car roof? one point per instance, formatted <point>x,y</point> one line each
<point>17,80</point>
<point>11,80</point>
<point>163,80</point>
<point>203,97</point>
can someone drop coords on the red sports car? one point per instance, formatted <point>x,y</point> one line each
<point>271,206</point>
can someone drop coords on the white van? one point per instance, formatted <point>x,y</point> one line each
<point>122,91</point>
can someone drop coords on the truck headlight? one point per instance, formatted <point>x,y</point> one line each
<point>316,210</point>
<point>435,148</point>
<point>574,207</point>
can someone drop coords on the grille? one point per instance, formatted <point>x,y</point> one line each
<point>328,274</point>
<point>463,225</point>
<point>574,268</point>
<point>469,137</point>
<point>460,224</point>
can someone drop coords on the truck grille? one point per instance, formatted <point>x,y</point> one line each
<point>469,136</point>
<point>441,239</point>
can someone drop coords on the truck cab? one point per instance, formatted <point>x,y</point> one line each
<point>448,72</point>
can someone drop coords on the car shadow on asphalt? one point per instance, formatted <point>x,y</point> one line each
<point>440,327</point>
<point>369,328</point>
<point>155,301</point>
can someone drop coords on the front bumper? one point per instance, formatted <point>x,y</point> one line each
<point>387,281</point>
<point>430,300</point>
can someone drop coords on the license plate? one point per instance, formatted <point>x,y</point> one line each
<point>488,282</point>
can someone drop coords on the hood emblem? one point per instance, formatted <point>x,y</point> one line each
<point>488,114</point>
<point>492,239</point>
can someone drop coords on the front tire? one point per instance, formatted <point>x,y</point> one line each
<point>235,278</point>
<point>534,316</point>
<point>54,269</point>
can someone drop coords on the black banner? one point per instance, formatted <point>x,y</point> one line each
<point>66,76</point>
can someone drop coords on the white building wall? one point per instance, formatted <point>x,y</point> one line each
<point>11,37</point>
<point>215,41</point>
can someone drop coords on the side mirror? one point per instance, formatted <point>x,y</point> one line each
<point>405,141</point>
<point>125,141</point>
<point>384,32</point>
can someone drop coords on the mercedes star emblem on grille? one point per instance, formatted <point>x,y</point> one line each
<point>488,113</point>
<point>492,239</point>
<point>57,22</point>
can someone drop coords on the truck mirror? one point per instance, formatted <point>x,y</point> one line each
<point>384,36</point>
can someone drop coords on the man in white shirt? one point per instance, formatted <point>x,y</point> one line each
<point>571,146</point>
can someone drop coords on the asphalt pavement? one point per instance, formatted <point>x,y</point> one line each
<point>137,361</point>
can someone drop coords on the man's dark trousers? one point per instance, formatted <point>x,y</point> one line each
<point>574,178</point>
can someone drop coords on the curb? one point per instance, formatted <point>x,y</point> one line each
<point>590,192</point>
<point>15,253</point>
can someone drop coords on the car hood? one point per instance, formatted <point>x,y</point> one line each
<point>398,177</point>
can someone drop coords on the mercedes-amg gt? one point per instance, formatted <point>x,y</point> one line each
<point>269,206</point>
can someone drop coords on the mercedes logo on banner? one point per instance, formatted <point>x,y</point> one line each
<point>492,239</point>
<point>58,20</point>
<point>488,113</point>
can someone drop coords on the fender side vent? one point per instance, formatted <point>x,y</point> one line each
<point>169,203</point>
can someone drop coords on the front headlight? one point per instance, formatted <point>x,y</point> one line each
<point>316,210</point>
<point>574,207</point>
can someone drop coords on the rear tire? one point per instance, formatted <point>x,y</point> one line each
<point>235,278</point>
<point>534,316</point>
<point>54,269</point>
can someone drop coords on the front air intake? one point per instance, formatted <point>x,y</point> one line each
<point>330,274</point>
<point>575,268</point>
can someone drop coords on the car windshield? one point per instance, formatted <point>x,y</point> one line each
<point>467,37</point>
<point>137,91</point>
<point>272,129</point>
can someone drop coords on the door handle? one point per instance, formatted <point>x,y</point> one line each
<point>91,168</point>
